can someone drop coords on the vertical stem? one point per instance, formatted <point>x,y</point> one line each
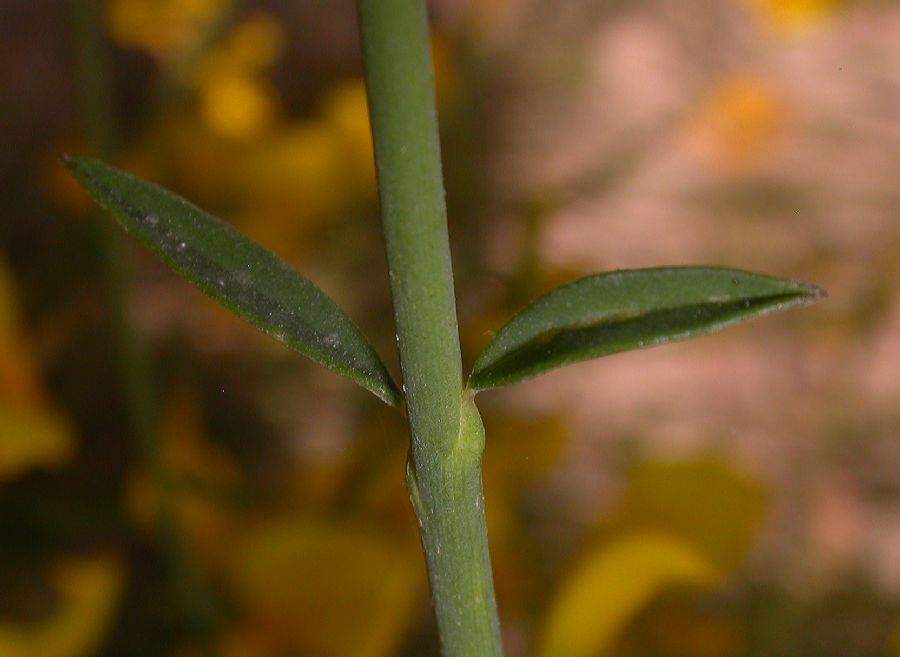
<point>135,368</point>
<point>444,470</point>
<point>100,128</point>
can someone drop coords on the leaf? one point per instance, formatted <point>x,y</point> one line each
<point>238,273</point>
<point>629,309</point>
<point>611,585</point>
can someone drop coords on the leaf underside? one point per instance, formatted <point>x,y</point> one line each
<point>630,309</point>
<point>238,273</point>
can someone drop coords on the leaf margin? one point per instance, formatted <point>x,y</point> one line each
<point>89,173</point>
<point>484,375</point>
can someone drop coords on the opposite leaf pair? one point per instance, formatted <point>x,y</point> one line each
<point>593,316</point>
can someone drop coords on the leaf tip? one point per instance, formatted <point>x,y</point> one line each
<point>814,292</point>
<point>70,161</point>
<point>806,293</point>
<point>390,395</point>
<point>76,165</point>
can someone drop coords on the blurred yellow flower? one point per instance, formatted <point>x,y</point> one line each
<point>303,163</point>
<point>310,169</point>
<point>201,160</point>
<point>236,106</point>
<point>610,585</point>
<point>88,591</point>
<point>234,99</point>
<point>229,145</point>
<point>164,28</point>
<point>187,451</point>
<point>280,178</point>
<point>313,588</point>
<point>790,16</point>
<point>680,523</point>
<point>704,501</point>
<point>739,125</point>
<point>346,111</point>
<point>32,433</point>
<point>253,44</point>
<point>201,477</point>
<point>522,450</point>
<point>32,438</point>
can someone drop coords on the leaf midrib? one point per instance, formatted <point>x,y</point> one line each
<point>573,343</point>
<point>114,202</point>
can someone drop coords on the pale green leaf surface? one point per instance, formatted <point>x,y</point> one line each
<point>239,273</point>
<point>611,585</point>
<point>630,309</point>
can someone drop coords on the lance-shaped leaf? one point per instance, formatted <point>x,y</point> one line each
<point>621,310</point>
<point>239,273</point>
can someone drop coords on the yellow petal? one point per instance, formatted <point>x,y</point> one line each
<point>256,42</point>
<point>345,109</point>
<point>237,105</point>
<point>523,449</point>
<point>312,588</point>
<point>704,501</point>
<point>31,435</point>
<point>188,452</point>
<point>201,476</point>
<point>164,28</point>
<point>88,590</point>
<point>789,16</point>
<point>32,438</point>
<point>301,167</point>
<point>185,148</point>
<point>611,586</point>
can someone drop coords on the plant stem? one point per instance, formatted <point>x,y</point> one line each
<point>100,129</point>
<point>135,368</point>
<point>444,470</point>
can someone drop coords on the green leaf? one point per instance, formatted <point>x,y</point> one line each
<point>238,273</point>
<point>621,310</point>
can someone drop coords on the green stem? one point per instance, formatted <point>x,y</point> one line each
<point>99,125</point>
<point>444,471</point>
<point>135,368</point>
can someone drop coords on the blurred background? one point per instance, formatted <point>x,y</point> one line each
<point>173,483</point>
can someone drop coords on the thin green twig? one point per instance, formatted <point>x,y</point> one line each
<point>444,471</point>
<point>137,379</point>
